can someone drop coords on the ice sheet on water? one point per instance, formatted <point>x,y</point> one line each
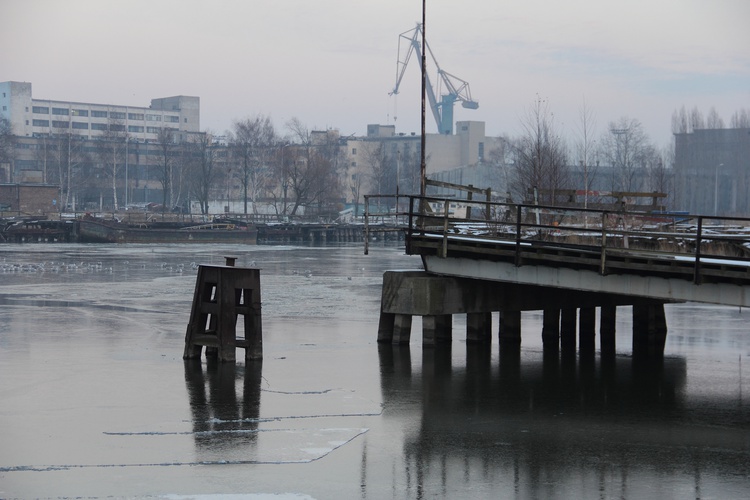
<point>272,446</point>
<point>254,496</point>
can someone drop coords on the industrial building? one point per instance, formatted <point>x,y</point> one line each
<point>33,117</point>
<point>712,171</point>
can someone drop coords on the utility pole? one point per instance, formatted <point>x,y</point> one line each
<point>422,164</point>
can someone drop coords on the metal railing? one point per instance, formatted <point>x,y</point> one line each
<point>699,245</point>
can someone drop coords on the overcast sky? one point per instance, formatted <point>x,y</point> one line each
<point>332,63</point>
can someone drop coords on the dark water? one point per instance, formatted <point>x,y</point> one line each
<point>96,400</point>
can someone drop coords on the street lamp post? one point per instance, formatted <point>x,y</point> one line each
<point>127,141</point>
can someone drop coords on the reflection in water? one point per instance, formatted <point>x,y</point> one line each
<point>542,425</point>
<point>222,421</point>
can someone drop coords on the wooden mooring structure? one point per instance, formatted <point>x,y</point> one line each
<point>222,295</point>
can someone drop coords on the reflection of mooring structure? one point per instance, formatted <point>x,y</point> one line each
<point>222,295</point>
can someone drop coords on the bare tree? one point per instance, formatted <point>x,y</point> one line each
<point>167,149</point>
<point>585,148</point>
<point>314,174</point>
<point>628,149</point>
<point>740,119</point>
<point>660,168</point>
<point>680,123</point>
<point>713,120</point>
<point>203,172</point>
<point>409,171</point>
<point>111,151</point>
<point>44,156</point>
<point>378,167</point>
<point>6,146</point>
<point>501,159</point>
<point>696,119</point>
<point>69,154</point>
<point>251,146</point>
<point>540,155</point>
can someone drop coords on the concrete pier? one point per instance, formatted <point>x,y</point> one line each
<point>569,315</point>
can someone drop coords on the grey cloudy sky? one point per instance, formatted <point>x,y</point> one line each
<point>332,63</point>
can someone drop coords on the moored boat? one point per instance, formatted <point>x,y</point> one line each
<point>93,230</point>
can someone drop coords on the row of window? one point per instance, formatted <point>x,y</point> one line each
<point>115,127</point>
<point>53,146</point>
<point>115,115</point>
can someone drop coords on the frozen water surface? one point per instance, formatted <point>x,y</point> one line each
<point>97,401</point>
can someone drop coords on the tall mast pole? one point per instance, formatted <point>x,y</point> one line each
<point>422,164</point>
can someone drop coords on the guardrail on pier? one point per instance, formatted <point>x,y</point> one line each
<point>701,248</point>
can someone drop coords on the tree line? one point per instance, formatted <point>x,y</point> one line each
<point>621,158</point>
<point>311,169</point>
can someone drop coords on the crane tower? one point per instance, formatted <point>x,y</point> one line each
<point>453,88</point>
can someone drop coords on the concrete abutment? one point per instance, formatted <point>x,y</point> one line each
<point>569,316</point>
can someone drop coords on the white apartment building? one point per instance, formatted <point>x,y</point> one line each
<point>32,117</point>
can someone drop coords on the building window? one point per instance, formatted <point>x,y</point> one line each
<point>80,126</point>
<point>153,118</point>
<point>116,127</point>
<point>98,126</point>
<point>135,116</point>
<point>60,111</point>
<point>80,112</point>
<point>135,128</point>
<point>172,119</point>
<point>42,110</point>
<point>152,130</point>
<point>60,124</point>
<point>5,108</point>
<point>185,120</point>
<point>354,151</point>
<point>26,164</point>
<point>116,115</point>
<point>40,123</point>
<point>481,150</point>
<point>98,114</point>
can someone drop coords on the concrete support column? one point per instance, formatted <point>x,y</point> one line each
<point>587,329</point>
<point>551,330</point>
<point>385,327</point>
<point>649,330</point>
<point>607,321</point>
<point>478,327</point>
<point>568,329</point>
<point>437,329</point>
<point>401,329</point>
<point>510,327</point>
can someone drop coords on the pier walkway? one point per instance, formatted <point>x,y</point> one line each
<point>566,261</point>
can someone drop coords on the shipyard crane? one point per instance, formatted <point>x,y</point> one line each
<point>455,88</point>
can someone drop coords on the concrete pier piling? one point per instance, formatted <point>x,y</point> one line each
<point>569,316</point>
<point>223,294</point>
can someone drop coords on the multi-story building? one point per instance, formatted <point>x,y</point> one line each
<point>42,127</point>
<point>712,171</point>
<point>382,149</point>
<point>33,117</point>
